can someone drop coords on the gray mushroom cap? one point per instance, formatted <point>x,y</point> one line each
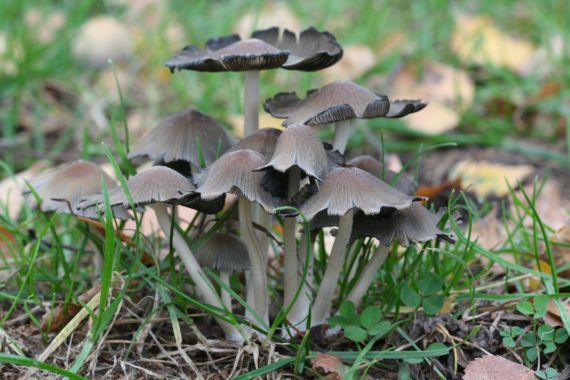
<point>299,146</point>
<point>403,182</point>
<point>262,141</point>
<point>313,50</point>
<point>347,188</point>
<point>62,189</point>
<point>153,185</point>
<point>224,252</point>
<point>229,53</point>
<point>337,101</point>
<point>234,173</point>
<point>180,136</point>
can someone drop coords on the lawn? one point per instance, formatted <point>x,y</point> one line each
<point>94,297</point>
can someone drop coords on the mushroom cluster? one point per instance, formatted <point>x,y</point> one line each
<point>198,165</point>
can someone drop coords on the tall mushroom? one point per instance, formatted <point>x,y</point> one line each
<point>159,187</point>
<point>299,153</point>
<point>343,191</point>
<point>337,102</point>
<point>179,139</point>
<point>233,173</point>
<point>265,50</point>
<point>227,254</point>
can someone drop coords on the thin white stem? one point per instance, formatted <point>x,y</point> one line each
<point>194,270</point>
<point>342,132</point>
<point>226,298</point>
<point>257,261</point>
<point>368,275</point>
<point>251,103</point>
<point>323,301</point>
<point>300,312</point>
<point>265,220</point>
<point>291,280</point>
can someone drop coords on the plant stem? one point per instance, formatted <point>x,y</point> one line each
<point>251,103</point>
<point>290,243</point>
<point>368,275</point>
<point>258,274</point>
<point>194,270</point>
<point>323,301</point>
<point>342,131</point>
<point>226,298</point>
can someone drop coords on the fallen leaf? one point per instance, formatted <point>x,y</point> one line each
<point>395,42</point>
<point>330,365</point>
<point>102,38</point>
<point>8,243</point>
<point>489,231</point>
<point>265,121</point>
<point>496,368</point>
<point>435,119</point>
<point>552,206</point>
<point>434,191</point>
<point>356,60</point>
<point>486,178</point>
<point>476,40</point>
<point>273,13</point>
<point>534,283</point>
<point>553,315</point>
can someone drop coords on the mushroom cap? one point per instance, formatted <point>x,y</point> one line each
<point>368,163</point>
<point>224,252</point>
<point>229,53</point>
<point>262,141</point>
<point>347,188</point>
<point>178,136</point>
<point>299,146</point>
<point>153,185</point>
<point>64,187</point>
<point>313,50</point>
<point>234,173</point>
<point>415,224</point>
<point>337,101</point>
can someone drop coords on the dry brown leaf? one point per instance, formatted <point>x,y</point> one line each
<point>477,40</point>
<point>356,60</point>
<point>497,368</point>
<point>265,121</point>
<point>11,197</point>
<point>551,205</point>
<point>8,243</point>
<point>489,231</point>
<point>434,191</point>
<point>552,316</point>
<point>486,178</point>
<point>435,119</point>
<point>272,14</point>
<point>330,365</point>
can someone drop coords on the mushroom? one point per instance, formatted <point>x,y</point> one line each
<point>337,102</point>
<point>343,191</point>
<point>233,173</point>
<point>299,152</point>
<point>400,181</point>
<point>178,140</point>
<point>158,187</point>
<point>226,253</point>
<point>262,141</point>
<point>231,53</point>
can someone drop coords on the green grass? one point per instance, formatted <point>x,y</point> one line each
<point>53,266</point>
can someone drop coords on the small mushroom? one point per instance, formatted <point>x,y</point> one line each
<point>179,139</point>
<point>400,181</point>
<point>345,190</point>
<point>160,187</point>
<point>262,141</point>
<point>338,102</point>
<point>231,53</point>
<point>233,173</point>
<point>227,254</point>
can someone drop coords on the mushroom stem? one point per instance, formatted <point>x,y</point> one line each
<point>342,132</point>
<point>251,103</point>
<point>290,243</point>
<point>323,301</point>
<point>196,273</point>
<point>300,310</point>
<point>368,275</point>
<point>257,296</point>
<point>226,298</point>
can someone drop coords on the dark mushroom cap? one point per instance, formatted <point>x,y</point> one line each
<point>337,101</point>
<point>153,185</point>
<point>313,50</point>
<point>299,146</point>
<point>229,53</point>
<point>224,252</point>
<point>368,163</point>
<point>233,173</point>
<point>177,138</point>
<point>415,224</point>
<point>262,141</point>
<point>347,188</point>
<point>63,188</point>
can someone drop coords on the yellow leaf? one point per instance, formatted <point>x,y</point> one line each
<point>436,118</point>
<point>356,60</point>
